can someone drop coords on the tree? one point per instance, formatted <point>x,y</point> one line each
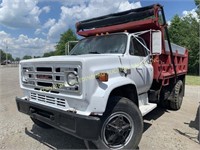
<point>27,57</point>
<point>197,3</point>
<point>185,32</point>
<point>3,56</point>
<point>9,57</point>
<point>36,56</point>
<point>17,59</point>
<point>65,37</point>
<point>48,54</point>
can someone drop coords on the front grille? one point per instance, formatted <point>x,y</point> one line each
<point>57,102</point>
<point>44,69</point>
<point>49,78</point>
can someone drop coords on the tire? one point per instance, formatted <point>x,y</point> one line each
<point>41,124</point>
<point>163,102</point>
<point>176,102</point>
<point>122,125</point>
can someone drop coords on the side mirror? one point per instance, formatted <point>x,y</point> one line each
<point>156,43</point>
<point>69,46</point>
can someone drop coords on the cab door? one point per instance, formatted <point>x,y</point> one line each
<point>141,67</point>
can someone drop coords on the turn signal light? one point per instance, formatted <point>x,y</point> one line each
<point>102,77</point>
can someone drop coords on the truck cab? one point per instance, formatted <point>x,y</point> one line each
<point>115,75</point>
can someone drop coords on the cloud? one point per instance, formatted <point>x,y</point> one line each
<point>49,23</point>
<point>127,5</point>
<point>21,13</point>
<point>192,13</point>
<point>24,45</point>
<point>169,23</point>
<point>68,3</point>
<point>46,9</point>
<point>26,14</point>
<point>84,10</point>
<point>46,25</point>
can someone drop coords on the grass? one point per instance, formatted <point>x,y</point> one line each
<point>192,80</point>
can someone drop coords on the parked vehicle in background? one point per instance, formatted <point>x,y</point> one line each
<point>118,73</point>
<point>6,62</point>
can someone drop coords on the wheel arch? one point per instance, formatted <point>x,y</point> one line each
<point>118,87</point>
<point>128,91</point>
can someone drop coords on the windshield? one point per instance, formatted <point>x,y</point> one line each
<point>115,43</point>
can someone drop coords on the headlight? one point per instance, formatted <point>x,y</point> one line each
<point>72,79</point>
<point>25,76</point>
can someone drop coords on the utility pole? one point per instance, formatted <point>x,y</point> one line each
<point>6,53</point>
<point>0,56</point>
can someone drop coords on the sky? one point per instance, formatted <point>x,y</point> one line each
<point>33,27</point>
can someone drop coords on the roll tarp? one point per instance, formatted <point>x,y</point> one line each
<point>117,18</point>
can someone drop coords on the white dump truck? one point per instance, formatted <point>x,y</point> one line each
<point>118,73</point>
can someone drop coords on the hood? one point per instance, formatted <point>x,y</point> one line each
<point>73,58</point>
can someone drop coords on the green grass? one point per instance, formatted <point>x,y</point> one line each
<point>192,80</point>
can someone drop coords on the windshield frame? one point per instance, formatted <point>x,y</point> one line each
<point>121,33</point>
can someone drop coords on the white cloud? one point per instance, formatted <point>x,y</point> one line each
<point>49,23</point>
<point>46,9</point>
<point>68,3</point>
<point>169,23</point>
<point>21,13</point>
<point>192,13</point>
<point>84,10</point>
<point>23,45</point>
<point>127,5</point>
<point>25,13</point>
<point>46,25</point>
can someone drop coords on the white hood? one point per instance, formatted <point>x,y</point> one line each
<point>72,58</point>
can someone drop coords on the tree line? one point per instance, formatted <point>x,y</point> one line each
<point>3,56</point>
<point>10,57</point>
<point>184,31</point>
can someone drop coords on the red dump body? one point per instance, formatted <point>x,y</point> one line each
<point>163,63</point>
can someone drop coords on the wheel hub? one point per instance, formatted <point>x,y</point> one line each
<point>117,130</point>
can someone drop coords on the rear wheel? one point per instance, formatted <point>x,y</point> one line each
<point>122,125</point>
<point>41,124</point>
<point>176,101</point>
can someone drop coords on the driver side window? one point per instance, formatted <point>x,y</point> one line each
<point>136,48</point>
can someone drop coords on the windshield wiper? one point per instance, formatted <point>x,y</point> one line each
<point>95,52</point>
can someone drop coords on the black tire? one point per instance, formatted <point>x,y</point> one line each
<point>41,124</point>
<point>176,102</point>
<point>122,125</point>
<point>163,101</point>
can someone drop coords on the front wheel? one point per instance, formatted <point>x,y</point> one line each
<point>122,126</point>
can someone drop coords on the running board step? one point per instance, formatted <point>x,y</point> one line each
<point>145,109</point>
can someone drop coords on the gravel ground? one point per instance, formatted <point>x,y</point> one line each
<point>163,129</point>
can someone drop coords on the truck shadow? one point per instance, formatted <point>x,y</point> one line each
<point>55,139</point>
<point>153,115</point>
<point>194,125</point>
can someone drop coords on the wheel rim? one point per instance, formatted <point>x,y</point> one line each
<point>117,130</point>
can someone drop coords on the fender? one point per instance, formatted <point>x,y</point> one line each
<point>99,99</point>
